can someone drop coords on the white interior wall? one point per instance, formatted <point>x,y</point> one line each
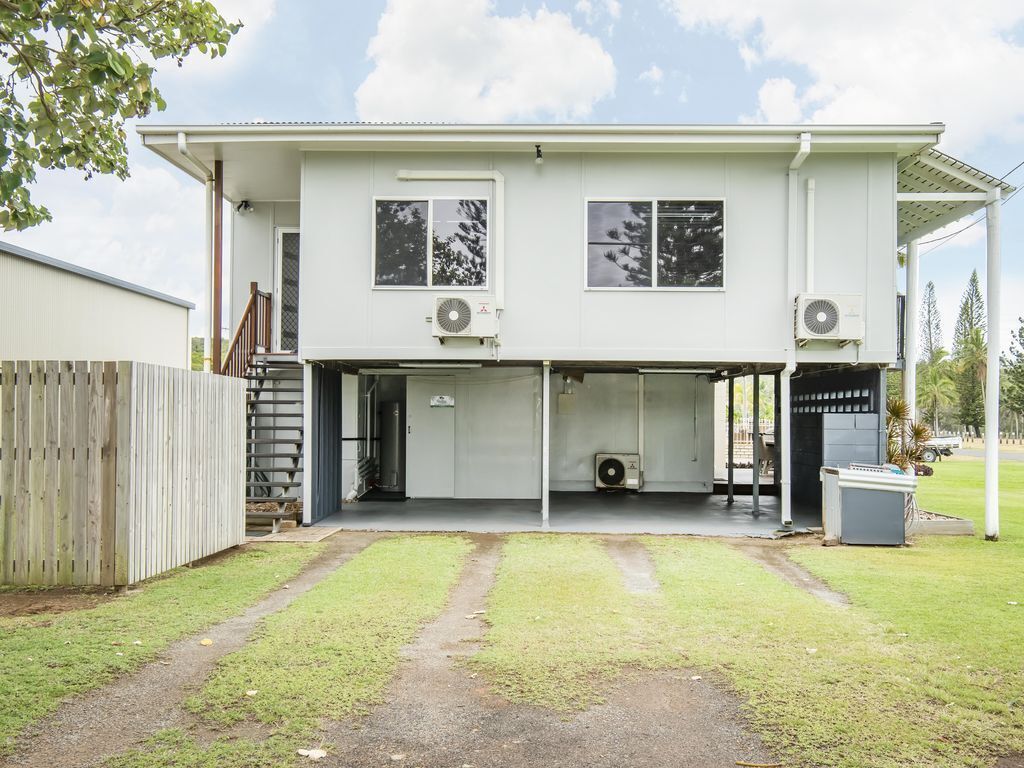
<point>678,451</point>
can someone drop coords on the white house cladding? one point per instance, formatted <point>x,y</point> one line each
<point>614,284</point>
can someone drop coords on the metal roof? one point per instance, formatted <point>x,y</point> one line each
<point>49,261</point>
<point>933,171</point>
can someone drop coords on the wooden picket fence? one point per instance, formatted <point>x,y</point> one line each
<point>113,472</point>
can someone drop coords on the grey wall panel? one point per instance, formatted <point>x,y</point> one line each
<point>325,472</point>
<point>548,313</point>
<point>498,434</point>
<point>678,435</point>
<point>604,420</point>
<point>253,252</point>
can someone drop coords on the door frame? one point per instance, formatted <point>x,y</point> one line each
<point>275,325</point>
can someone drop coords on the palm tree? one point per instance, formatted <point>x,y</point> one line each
<point>935,386</point>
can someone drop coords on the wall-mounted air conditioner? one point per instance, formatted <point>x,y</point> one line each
<point>459,316</point>
<point>617,470</point>
<point>829,317</point>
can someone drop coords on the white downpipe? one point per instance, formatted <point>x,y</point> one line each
<point>545,451</point>
<point>208,282</point>
<point>910,353</point>
<point>640,423</point>
<point>784,454</point>
<point>497,242</point>
<point>992,277</point>
<point>809,245</point>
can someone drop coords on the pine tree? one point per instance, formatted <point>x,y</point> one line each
<point>969,356</point>
<point>931,323</point>
<point>971,316</point>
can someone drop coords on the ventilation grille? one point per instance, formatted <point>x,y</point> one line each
<point>821,317</point>
<point>453,315</point>
<point>611,472</point>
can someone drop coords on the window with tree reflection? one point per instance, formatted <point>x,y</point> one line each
<point>431,243</point>
<point>685,236</point>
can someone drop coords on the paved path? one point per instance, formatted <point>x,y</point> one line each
<point>439,713</point>
<point>980,454</point>
<point>88,729</point>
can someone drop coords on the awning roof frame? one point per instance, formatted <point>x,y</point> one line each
<point>934,189</point>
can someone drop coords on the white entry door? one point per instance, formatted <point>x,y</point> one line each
<point>430,439</point>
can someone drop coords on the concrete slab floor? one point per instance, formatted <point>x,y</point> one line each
<point>593,512</point>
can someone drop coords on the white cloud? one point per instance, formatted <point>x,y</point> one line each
<point>254,15</point>
<point>881,61</point>
<point>653,75</point>
<point>592,13</point>
<point>457,60</point>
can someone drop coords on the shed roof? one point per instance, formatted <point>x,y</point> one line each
<point>49,261</point>
<point>933,171</point>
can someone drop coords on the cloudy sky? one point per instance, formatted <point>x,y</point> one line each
<point>677,61</point>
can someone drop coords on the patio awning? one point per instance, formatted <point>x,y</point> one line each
<point>934,189</point>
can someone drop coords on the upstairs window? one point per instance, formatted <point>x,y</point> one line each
<point>433,243</point>
<point>655,243</point>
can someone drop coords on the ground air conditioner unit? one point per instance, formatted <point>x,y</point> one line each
<point>457,316</point>
<point>829,317</point>
<point>617,471</point>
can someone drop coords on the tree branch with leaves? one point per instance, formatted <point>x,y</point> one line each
<point>75,71</point>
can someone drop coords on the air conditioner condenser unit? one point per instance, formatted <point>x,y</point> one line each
<point>617,471</point>
<point>467,317</point>
<point>829,317</point>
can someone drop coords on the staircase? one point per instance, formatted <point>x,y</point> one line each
<point>274,410</point>
<point>273,454</point>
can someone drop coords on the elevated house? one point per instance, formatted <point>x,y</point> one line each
<point>525,314</point>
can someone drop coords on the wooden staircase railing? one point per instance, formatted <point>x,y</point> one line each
<point>252,335</point>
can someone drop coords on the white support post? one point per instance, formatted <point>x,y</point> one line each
<point>731,441</point>
<point>309,454</point>
<point>782,443</point>
<point>545,451</point>
<point>992,278</point>
<point>755,437</point>
<point>910,352</point>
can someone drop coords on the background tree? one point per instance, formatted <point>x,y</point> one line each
<point>1013,366</point>
<point>401,242</point>
<point>936,391</point>
<point>931,323</point>
<point>690,243</point>
<point>969,359</point>
<point>461,257</point>
<point>632,245</point>
<point>75,71</point>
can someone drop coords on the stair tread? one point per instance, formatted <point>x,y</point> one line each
<point>275,470</point>
<point>273,455</point>
<point>269,500</point>
<point>271,440</point>
<point>274,484</point>
<point>281,427</point>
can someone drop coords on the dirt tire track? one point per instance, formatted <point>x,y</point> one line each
<point>88,729</point>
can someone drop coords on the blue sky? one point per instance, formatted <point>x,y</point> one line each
<point>682,61</point>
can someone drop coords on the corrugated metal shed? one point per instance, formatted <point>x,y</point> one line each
<point>52,310</point>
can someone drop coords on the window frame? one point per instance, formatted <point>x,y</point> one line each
<point>653,200</point>
<point>430,244</point>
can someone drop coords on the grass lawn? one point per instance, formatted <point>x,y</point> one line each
<point>44,658</point>
<point>330,653</point>
<point>561,621</point>
<point>924,669</point>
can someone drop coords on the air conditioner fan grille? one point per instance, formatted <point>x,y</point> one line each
<point>453,315</point>
<point>821,317</point>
